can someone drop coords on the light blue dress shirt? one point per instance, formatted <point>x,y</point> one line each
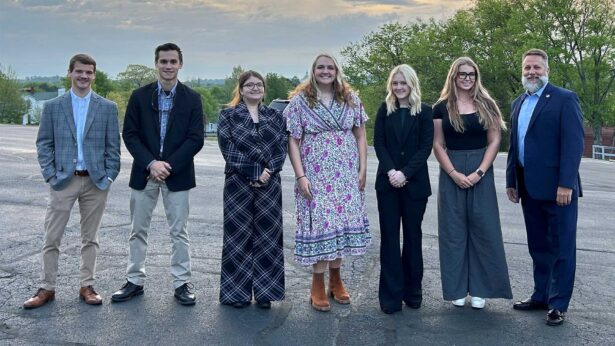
<point>525,114</point>
<point>80,113</point>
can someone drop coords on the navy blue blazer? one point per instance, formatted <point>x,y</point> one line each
<point>183,140</point>
<point>553,145</point>
<point>404,148</point>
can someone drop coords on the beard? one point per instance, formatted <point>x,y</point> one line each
<point>532,87</point>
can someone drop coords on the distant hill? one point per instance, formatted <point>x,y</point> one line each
<point>39,79</point>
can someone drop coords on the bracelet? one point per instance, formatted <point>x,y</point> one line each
<point>452,170</point>
<point>303,176</point>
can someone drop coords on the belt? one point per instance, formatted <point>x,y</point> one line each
<point>83,173</point>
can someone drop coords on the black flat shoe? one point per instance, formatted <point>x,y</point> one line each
<point>530,304</point>
<point>241,305</point>
<point>263,304</point>
<point>390,311</point>
<point>413,305</point>
<point>184,294</point>
<point>555,317</point>
<point>127,292</point>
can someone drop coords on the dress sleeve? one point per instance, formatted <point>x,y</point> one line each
<point>293,115</point>
<point>359,116</point>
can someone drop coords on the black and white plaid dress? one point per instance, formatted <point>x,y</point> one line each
<point>252,253</point>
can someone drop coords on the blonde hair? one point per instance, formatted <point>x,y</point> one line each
<point>489,114</point>
<point>243,77</point>
<point>309,87</point>
<point>414,98</point>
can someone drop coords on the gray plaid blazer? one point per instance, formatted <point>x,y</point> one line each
<point>56,143</point>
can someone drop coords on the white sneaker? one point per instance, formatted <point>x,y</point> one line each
<point>459,302</point>
<point>478,303</point>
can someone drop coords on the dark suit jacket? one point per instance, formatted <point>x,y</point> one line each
<point>553,145</point>
<point>183,140</point>
<point>56,143</point>
<point>405,149</point>
<point>248,150</point>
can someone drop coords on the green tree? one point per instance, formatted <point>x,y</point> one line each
<point>12,105</point>
<point>120,97</point>
<point>278,87</point>
<point>102,84</point>
<point>211,107</point>
<point>580,36</point>
<point>136,76</point>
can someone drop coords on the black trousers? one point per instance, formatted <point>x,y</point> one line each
<point>401,270</point>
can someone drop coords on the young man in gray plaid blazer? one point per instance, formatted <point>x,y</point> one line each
<point>78,148</point>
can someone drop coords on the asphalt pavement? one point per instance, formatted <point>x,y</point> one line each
<point>156,319</point>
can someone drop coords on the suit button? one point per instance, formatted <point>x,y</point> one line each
<point>403,153</point>
<point>74,160</point>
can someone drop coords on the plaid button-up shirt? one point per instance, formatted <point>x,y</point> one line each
<point>165,105</point>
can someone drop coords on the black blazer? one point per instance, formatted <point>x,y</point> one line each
<point>405,149</point>
<point>183,140</point>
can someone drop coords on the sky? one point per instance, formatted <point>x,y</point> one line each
<point>38,37</point>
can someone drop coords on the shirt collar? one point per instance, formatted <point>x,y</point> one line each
<point>75,97</point>
<point>160,90</point>
<point>538,92</point>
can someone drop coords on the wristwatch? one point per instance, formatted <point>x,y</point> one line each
<point>480,173</point>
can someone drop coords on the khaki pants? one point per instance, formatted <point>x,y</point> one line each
<point>92,203</point>
<point>176,207</point>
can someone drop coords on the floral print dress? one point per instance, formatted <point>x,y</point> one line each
<point>334,223</point>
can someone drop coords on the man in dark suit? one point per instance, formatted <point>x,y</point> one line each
<point>546,144</point>
<point>78,148</point>
<point>163,131</point>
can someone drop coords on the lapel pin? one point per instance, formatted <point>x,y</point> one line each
<point>548,95</point>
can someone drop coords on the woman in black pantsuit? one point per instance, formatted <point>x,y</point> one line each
<point>253,141</point>
<point>403,138</point>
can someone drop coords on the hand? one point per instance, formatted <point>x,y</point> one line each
<point>397,179</point>
<point>264,177</point>
<point>305,188</point>
<point>362,179</point>
<point>564,196</point>
<point>474,178</point>
<point>159,171</point>
<point>512,194</point>
<point>461,180</point>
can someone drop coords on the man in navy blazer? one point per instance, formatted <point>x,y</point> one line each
<point>546,144</point>
<point>163,131</point>
<point>78,146</point>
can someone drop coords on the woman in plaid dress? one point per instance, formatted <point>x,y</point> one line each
<point>253,141</point>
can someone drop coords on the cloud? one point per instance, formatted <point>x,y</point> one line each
<point>282,36</point>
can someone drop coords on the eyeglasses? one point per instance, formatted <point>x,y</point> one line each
<point>155,102</point>
<point>254,85</point>
<point>466,75</point>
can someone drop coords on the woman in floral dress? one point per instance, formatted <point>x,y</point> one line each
<point>328,152</point>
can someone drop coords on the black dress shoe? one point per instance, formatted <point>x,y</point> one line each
<point>127,291</point>
<point>555,317</point>
<point>241,305</point>
<point>263,304</point>
<point>530,304</point>
<point>413,304</point>
<point>184,295</point>
<point>390,311</point>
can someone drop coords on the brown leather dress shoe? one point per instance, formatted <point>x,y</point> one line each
<point>90,296</point>
<point>40,298</point>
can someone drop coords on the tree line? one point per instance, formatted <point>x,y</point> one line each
<point>578,35</point>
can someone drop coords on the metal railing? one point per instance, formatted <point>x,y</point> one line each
<point>603,152</point>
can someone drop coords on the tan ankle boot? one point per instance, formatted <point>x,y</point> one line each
<point>336,287</point>
<point>318,296</point>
